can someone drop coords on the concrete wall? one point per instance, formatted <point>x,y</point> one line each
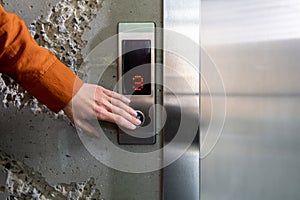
<point>44,148</point>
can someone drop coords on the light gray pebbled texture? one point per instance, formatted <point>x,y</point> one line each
<point>52,147</point>
<point>60,30</point>
<point>24,183</point>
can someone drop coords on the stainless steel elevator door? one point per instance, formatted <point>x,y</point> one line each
<point>181,99</point>
<point>256,46</point>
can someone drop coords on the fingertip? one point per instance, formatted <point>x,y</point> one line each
<point>132,127</point>
<point>137,122</point>
<point>128,126</point>
<point>127,100</point>
<point>133,112</point>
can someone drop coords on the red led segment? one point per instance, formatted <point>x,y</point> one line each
<point>138,81</point>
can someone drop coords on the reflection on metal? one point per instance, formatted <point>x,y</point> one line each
<point>255,45</point>
<point>250,21</point>
<point>181,98</point>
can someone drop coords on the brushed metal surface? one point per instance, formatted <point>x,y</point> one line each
<point>181,98</point>
<point>255,46</point>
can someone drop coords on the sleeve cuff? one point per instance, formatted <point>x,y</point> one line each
<point>56,87</point>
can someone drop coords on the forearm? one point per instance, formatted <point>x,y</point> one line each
<point>36,69</point>
<point>45,77</point>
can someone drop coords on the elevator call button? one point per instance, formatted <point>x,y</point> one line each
<point>140,116</point>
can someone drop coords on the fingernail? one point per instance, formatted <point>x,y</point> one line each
<point>138,122</point>
<point>132,127</point>
<point>134,113</point>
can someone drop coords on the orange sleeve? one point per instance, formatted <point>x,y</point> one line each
<point>36,69</point>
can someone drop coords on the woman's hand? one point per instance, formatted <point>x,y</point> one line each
<point>96,102</point>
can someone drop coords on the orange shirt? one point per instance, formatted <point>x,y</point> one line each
<point>35,68</point>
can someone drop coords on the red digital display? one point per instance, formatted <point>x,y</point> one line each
<point>138,82</point>
<point>136,67</point>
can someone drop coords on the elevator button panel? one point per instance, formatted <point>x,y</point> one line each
<point>136,79</point>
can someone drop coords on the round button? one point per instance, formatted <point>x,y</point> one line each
<point>140,116</point>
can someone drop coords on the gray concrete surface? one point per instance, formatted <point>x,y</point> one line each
<point>51,146</point>
<point>3,192</point>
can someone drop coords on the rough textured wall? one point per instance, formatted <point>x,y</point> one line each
<point>24,183</point>
<point>60,31</point>
<point>50,147</point>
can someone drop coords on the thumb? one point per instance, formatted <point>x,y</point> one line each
<point>87,127</point>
